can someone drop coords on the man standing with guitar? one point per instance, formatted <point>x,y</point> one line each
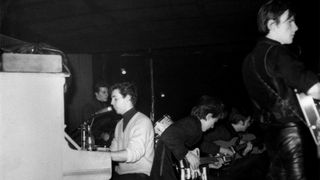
<point>179,139</point>
<point>271,72</point>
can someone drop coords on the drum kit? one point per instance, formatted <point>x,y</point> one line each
<point>160,126</point>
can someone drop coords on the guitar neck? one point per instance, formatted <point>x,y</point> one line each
<point>208,160</point>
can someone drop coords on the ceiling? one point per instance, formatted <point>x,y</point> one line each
<point>193,38</point>
<point>98,26</point>
<point>95,26</point>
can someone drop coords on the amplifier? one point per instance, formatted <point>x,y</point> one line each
<point>14,62</point>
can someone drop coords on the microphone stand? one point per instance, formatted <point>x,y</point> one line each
<point>86,135</point>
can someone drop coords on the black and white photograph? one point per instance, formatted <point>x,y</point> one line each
<point>160,90</point>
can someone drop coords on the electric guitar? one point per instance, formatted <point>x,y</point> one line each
<point>238,147</point>
<point>310,110</point>
<point>186,173</point>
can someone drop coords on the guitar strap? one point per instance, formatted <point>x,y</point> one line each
<point>162,159</point>
<point>279,99</point>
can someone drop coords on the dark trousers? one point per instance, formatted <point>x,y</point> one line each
<point>162,168</point>
<point>292,153</point>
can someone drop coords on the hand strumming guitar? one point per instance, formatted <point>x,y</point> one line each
<point>193,159</point>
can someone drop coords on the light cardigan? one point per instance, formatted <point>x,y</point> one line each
<point>138,140</point>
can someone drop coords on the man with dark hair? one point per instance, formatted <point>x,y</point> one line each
<point>271,72</point>
<point>181,137</point>
<point>231,139</point>
<point>99,112</point>
<point>133,143</point>
<point>235,124</point>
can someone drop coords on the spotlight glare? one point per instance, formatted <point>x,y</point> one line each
<point>123,71</point>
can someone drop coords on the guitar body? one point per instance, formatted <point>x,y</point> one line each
<point>228,144</point>
<point>187,173</point>
<point>311,115</point>
<point>240,144</point>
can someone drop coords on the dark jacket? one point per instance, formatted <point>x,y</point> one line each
<point>173,145</point>
<point>222,132</point>
<point>271,72</point>
<point>182,136</point>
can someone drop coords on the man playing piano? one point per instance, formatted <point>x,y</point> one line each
<point>133,143</point>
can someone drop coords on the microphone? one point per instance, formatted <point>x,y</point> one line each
<point>102,111</point>
<point>99,113</point>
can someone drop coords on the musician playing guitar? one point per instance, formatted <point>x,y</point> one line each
<point>231,134</point>
<point>271,72</point>
<point>177,141</point>
<point>227,129</point>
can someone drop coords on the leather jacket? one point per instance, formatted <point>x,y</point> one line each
<point>270,74</point>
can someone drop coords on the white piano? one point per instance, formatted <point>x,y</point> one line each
<point>33,143</point>
<point>78,164</point>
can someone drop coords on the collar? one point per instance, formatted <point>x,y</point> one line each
<point>127,116</point>
<point>268,41</point>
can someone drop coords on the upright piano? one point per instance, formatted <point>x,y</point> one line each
<point>81,164</point>
<point>33,143</point>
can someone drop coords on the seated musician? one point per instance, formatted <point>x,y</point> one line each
<point>133,143</point>
<point>231,140</point>
<point>180,137</point>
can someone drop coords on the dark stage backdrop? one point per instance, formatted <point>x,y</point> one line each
<point>183,74</point>
<point>80,91</point>
<point>109,67</point>
<point>179,77</point>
